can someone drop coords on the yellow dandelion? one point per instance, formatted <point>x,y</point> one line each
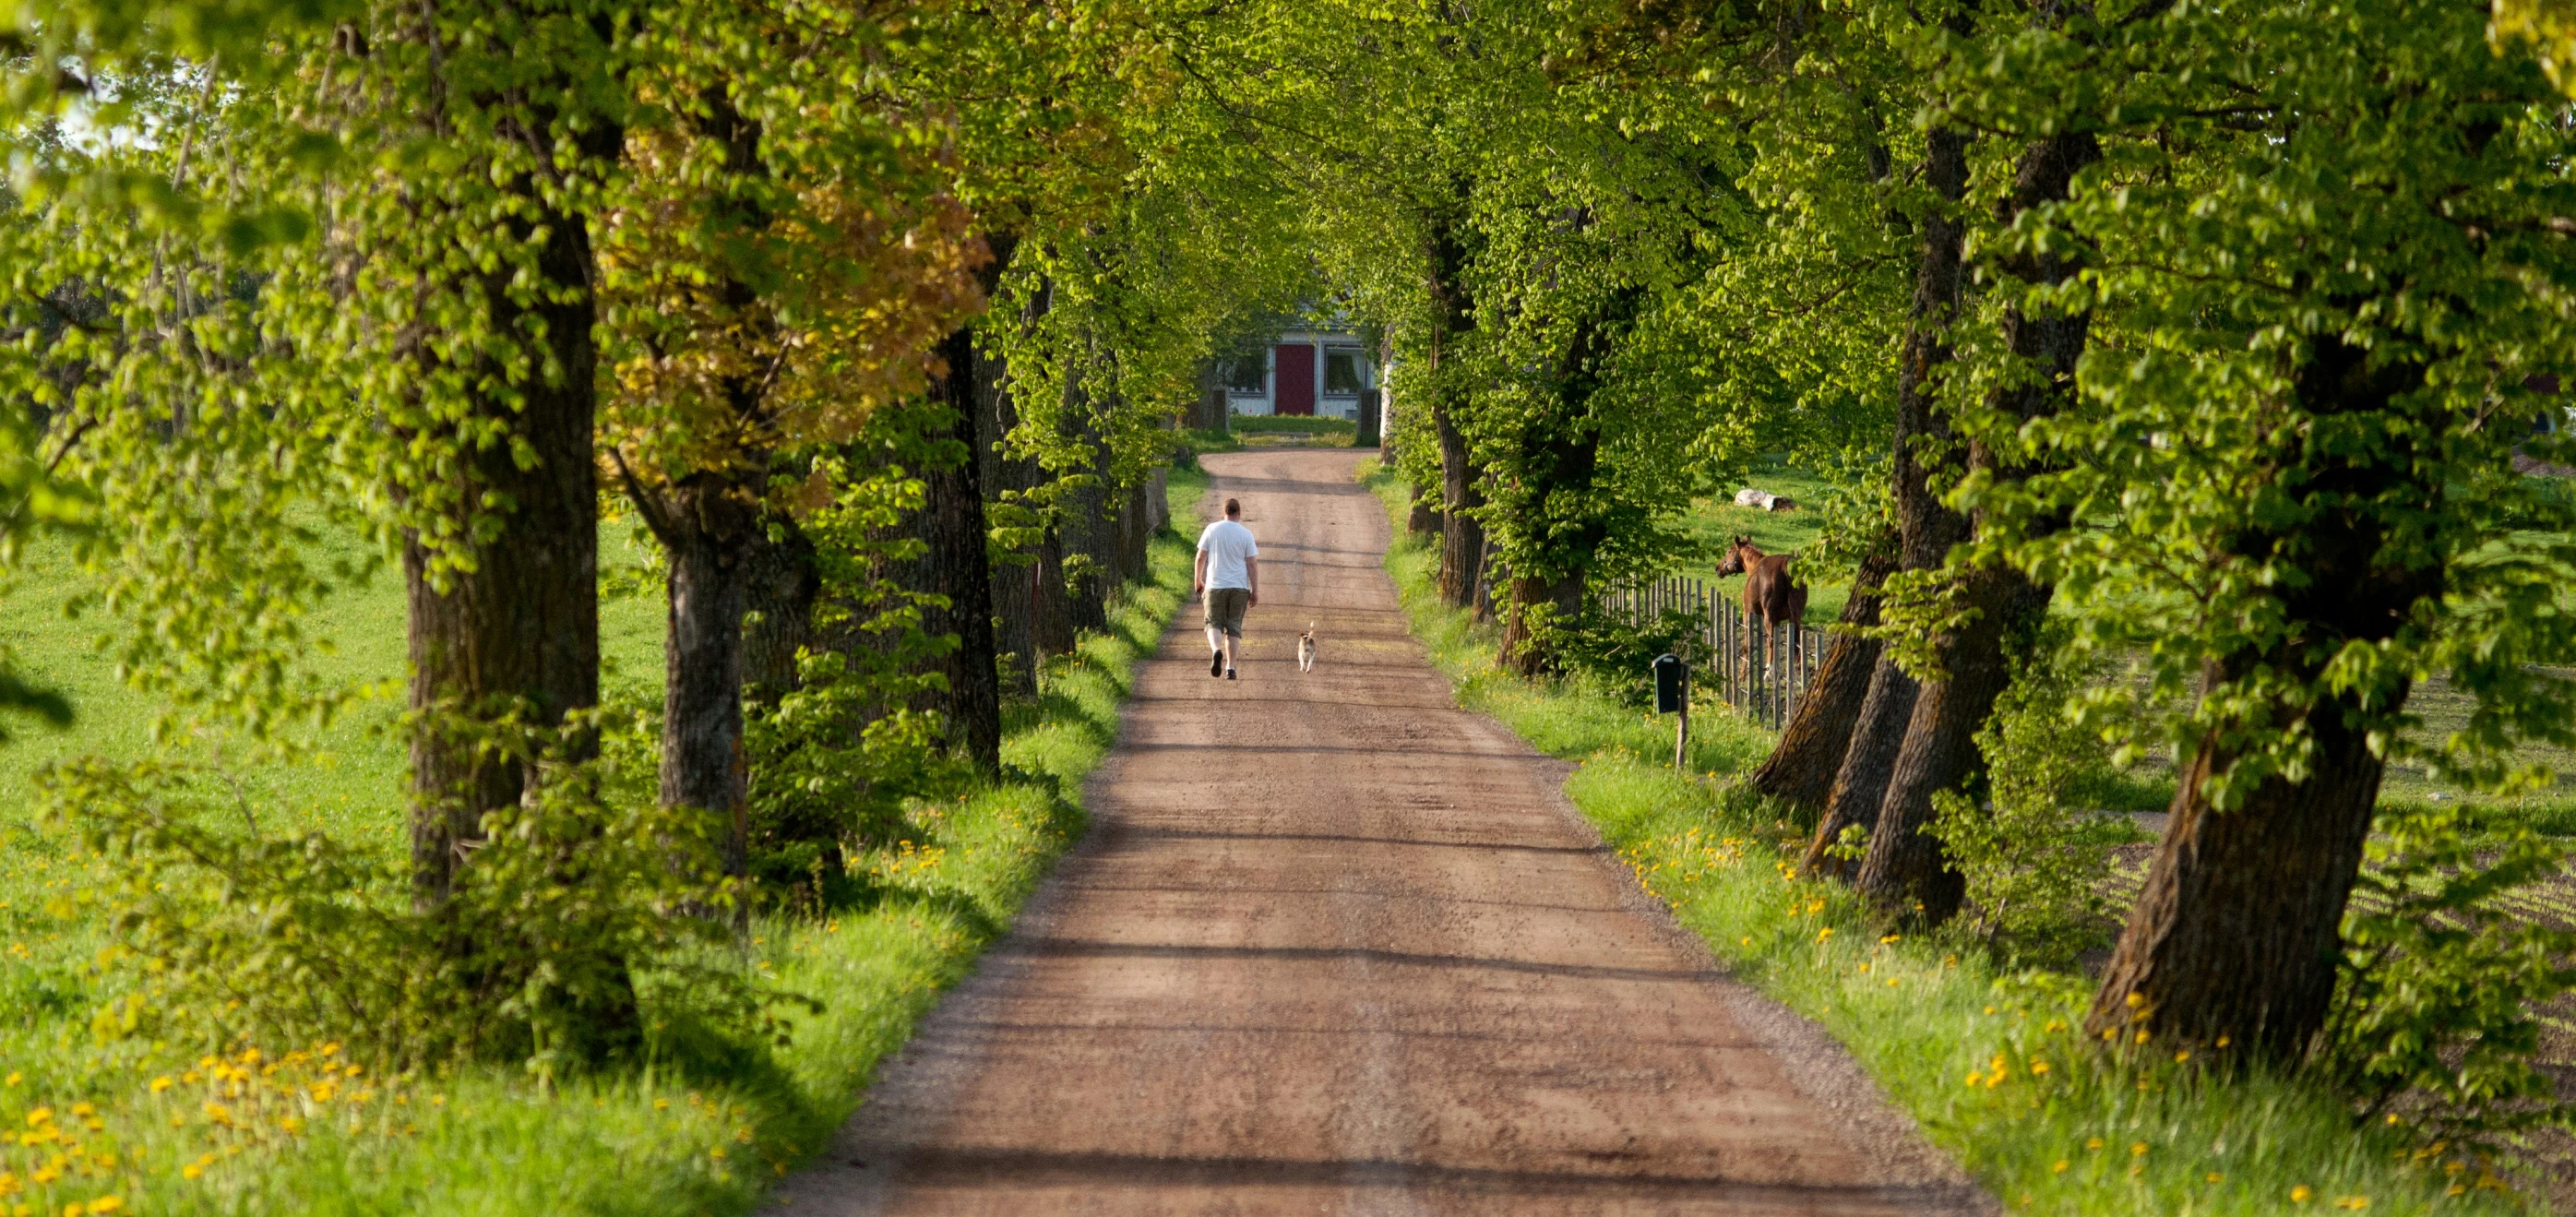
<point>2215,1177</point>
<point>161,1083</point>
<point>2092,1142</point>
<point>2138,1149</point>
<point>2353,1202</point>
<point>2060,1167</point>
<point>2039,1067</point>
<point>2302,1194</point>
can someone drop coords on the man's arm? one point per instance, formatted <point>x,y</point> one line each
<point>1198,575</point>
<point>1252,575</point>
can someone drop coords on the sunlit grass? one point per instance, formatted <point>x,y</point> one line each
<point>1987,1063</point>
<point>706,1129</point>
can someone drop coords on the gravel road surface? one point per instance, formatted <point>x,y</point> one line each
<point>1336,946</point>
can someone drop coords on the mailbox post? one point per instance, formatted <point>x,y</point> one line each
<point>1672,696</point>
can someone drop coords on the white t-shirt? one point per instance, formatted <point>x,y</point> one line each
<point>1227,544</point>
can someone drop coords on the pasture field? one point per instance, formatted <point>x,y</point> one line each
<point>2439,707</point>
<point>1984,1059</point>
<point>119,1124</point>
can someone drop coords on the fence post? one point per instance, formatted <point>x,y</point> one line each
<point>1771,672</point>
<point>1726,647</point>
<point>1797,657</point>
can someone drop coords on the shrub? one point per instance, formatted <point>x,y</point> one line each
<point>1616,655</point>
<point>831,761</point>
<point>588,919</point>
<point>2437,1012</point>
<point>2035,866</point>
<point>831,770</point>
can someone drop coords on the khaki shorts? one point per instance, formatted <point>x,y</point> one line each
<point>1225,606</point>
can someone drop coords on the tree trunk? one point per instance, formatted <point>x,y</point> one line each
<point>1083,517</point>
<point>1489,572</point>
<point>1907,873</point>
<point>1136,531</point>
<point>1926,529</point>
<point>1423,520</point>
<point>1051,623</point>
<point>2238,930</point>
<point>1521,650</point>
<point>959,563</point>
<point>1869,760</point>
<point>1014,591</point>
<point>517,626</point>
<point>1462,536</point>
<point>784,588</point>
<point>708,532</point>
<point>1801,768</point>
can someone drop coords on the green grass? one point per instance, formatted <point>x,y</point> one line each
<point>1951,1038</point>
<point>702,1131</point>
<point>1302,424</point>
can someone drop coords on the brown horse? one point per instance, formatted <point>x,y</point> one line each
<point>1772,595</point>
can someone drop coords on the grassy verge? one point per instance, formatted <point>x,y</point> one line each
<point>1194,441</point>
<point>1985,1062</point>
<point>113,1126</point>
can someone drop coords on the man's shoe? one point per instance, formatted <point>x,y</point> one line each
<point>1229,673</point>
<point>1216,663</point>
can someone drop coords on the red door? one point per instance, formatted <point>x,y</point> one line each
<point>1296,361</point>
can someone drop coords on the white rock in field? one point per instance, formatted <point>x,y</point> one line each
<point>1764,499</point>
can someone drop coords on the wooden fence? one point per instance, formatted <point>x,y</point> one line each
<point>1760,670</point>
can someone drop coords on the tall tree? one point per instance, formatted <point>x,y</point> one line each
<point>2295,489</point>
<point>777,272</point>
<point>1964,666</point>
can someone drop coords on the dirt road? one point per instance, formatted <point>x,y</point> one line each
<point>1333,946</point>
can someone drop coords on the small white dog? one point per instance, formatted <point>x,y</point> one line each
<point>1306,649</point>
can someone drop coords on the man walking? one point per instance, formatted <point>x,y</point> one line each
<point>1228,580</point>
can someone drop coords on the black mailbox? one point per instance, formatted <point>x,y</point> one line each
<point>1672,681</point>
